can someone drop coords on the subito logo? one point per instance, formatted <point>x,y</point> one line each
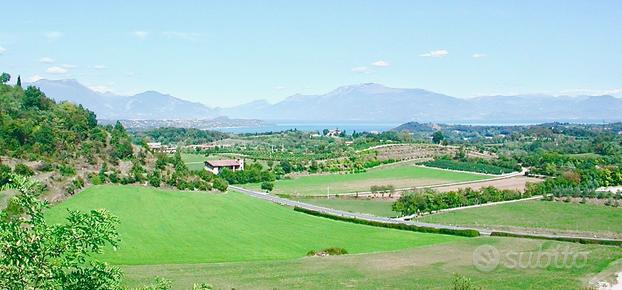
<point>486,258</point>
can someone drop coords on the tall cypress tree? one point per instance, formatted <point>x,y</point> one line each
<point>19,81</point>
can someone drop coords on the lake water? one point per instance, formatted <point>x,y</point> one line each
<point>348,127</point>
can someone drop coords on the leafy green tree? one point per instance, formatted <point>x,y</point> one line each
<point>220,184</point>
<point>121,142</point>
<point>154,178</point>
<point>267,186</point>
<point>437,137</point>
<point>54,256</point>
<point>5,78</point>
<point>286,166</point>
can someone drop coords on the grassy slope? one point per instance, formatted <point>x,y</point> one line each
<point>372,206</point>
<point>403,176</point>
<point>159,227</point>
<point>429,267</point>
<point>537,214</point>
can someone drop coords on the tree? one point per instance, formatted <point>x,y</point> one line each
<point>437,137</point>
<point>220,184</point>
<point>267,186</point>
<point>54,256</point>
<point>286,166</point>
<point>121,142</point>
<point>154,178</point>
<point>19,81</point>
<point>5,78</point>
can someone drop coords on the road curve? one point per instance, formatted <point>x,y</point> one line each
<point>335,212</point>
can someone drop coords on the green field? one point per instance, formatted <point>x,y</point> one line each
<point>538,214</point>
<point>169,227</point>
<point>193,161</point>
<point>429,267</point>
<point>399,177</point>
<point>378,207</point>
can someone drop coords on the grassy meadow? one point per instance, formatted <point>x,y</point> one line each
<point>172,227</point>
<point>588,218</point>
<point>399,177</point>
<point>429,267</point>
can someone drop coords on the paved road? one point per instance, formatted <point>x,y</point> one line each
<point>336,212</point>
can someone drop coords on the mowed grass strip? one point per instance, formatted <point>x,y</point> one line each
<point>378,207</point>
<point>165,227</point>
<point>537,214</point>
<point>399,177</point>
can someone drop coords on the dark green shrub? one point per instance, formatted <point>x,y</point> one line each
<point>267,186</point>
<point>220,184</point>
<point>400,226</point>
<point>22,169</point>
<point>67,170</point>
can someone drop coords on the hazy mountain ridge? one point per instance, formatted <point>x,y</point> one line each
<point>145,105</point>
<point>363,102</point>
<point>375,102</point>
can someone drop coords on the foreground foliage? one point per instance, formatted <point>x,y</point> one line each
<point>36,255</point>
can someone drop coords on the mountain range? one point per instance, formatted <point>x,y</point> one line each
<point>369,102</point>
<point>149,105</point>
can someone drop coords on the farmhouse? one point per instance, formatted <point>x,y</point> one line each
<point>215,166</point>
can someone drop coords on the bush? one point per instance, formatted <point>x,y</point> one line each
<point>154,178</point>
<point>22,169</point>
<point>333,251</point>
<point>5,174</point>
<point>220,184</point>
<point>267,186</point>
<point>66,170</point>
<point>399,226</point>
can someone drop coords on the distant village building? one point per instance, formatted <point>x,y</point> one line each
<point>202,146</point>
<point>215,166</point>
<point>333,133</point>
<point>158,147</point>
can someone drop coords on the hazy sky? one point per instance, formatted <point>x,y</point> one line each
<point>229,52</point>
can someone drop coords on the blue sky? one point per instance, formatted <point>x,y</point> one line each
<point>228,52</point>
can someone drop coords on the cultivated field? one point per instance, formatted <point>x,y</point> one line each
<point>399,177</point>
<point>514,183</point>
<point>539,216</point>
<point>429,267</point>
<point>172,227</point>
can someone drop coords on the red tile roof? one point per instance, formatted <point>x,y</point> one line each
<point>223,163</point>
